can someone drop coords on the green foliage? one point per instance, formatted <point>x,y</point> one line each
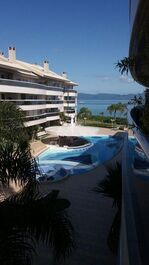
<point>16,162</point>
<point>84,113</point>
<point>63,117</point>
<point>33,130</point>
<point>114,108</point>
<point>27,217</point>
<point>28,220</point>
<point>12,124</point>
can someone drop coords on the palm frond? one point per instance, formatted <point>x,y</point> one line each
<point>15,248</point>
<point>42,218</point>
<point>110,186</point>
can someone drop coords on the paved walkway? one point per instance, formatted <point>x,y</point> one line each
<point>91,216</point>
<point>79,130</point>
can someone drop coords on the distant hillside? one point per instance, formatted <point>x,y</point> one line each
<point>104,96</point>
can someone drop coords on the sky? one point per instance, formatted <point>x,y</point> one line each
<point>85,38</point>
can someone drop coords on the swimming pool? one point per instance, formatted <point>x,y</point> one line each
<point>101,149</point>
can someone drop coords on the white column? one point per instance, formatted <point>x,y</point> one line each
<point>72,122</point>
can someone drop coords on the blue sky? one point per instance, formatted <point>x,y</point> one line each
<point>85,38</point>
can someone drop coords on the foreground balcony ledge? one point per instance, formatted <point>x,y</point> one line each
<point>143,140</point>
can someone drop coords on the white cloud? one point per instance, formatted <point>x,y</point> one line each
<point>126,79</point>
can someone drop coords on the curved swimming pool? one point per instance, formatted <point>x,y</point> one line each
<point>79,160</point>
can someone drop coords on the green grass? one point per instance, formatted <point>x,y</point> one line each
<point>99,121</point>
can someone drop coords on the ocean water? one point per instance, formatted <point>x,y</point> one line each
<point>98,106</point>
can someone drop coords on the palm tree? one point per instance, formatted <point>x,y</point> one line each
<point>84,113</point>
<point>114,108</point>
<point>27,217</point>
<point>101,113</point>
<point>121,107</point>
<point>111,187</point>
<point>125,64</point>
<point>63,117</point>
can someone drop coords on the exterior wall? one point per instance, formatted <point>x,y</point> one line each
<point>36,100</point>
<point>40,93</point>
<point>70,104</point>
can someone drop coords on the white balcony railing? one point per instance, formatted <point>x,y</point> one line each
<point>11,82</point>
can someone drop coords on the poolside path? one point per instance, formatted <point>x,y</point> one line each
<point>91,215</point>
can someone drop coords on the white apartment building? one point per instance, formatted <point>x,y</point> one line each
<point>39,92</point>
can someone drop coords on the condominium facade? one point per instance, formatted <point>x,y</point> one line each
<point>39,92</point>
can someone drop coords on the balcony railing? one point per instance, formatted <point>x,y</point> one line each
<point>69,111</point>
<point>42,116</point>
<point>11,82</point>
<point>33,102</point>
<point>70,90</point>
<point>69,101</point>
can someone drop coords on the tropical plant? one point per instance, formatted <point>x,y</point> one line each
<point>136,100</point>
<point>101,113</point>
<point>114,108</point>
<point>84,113</point>
<point>63,117</point>
<point>111,187</point>
<point>125,64</point>
<point>33,130</point>
<point>27,217</point>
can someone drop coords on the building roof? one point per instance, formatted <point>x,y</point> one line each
<point>32,69</point>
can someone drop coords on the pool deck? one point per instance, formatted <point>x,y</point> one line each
<point>91,215</point>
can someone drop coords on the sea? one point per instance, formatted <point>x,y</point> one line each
<point>98,106</point>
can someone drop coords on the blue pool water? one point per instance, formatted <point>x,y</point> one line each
<point>101,149</point>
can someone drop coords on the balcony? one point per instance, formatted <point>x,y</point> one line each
<point>69,101</point>
<point>70,91</point>
<point>141,136</point>
<point>10,82</point>
<point>33,102</point>
<point>41,116</point>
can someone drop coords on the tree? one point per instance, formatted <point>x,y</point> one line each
<point>101,113</point>
<point>63,117</point>
<point>136,100</point>
<point>111,187</point>
<point>27,217</point>
<point>114,108</point>
<point>125,64</point>
<point>84,113</point>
